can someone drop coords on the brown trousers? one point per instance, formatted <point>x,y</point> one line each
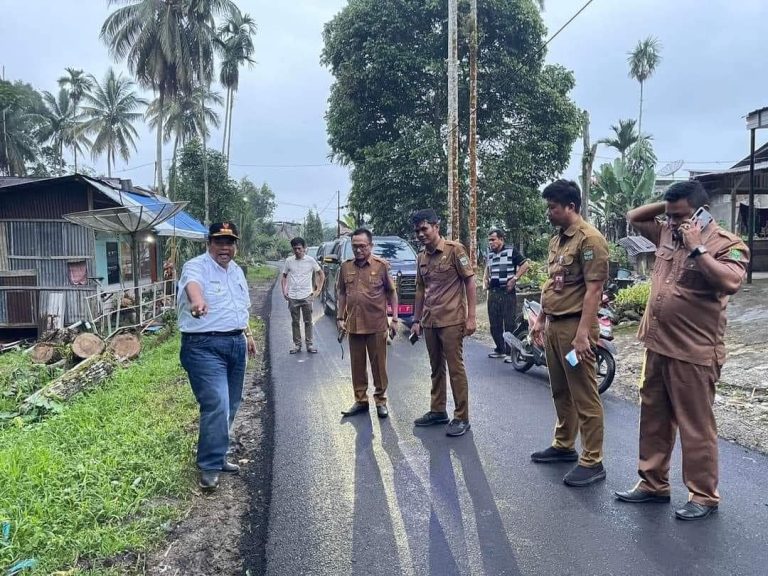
<point>445,347</point>
<point>373,347</point>
<point>677,394</point>
<point>574,391</point>
<point>301,309</point>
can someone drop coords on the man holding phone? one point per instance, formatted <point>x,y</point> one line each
<point>698,266</point>
<point>364,289</point>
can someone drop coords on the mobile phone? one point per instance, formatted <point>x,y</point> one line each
<point>413,338</point>
<point>703,217</point>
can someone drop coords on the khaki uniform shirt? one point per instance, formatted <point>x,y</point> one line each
<point>578,254</point>
<point>440,278</point>
<point>685,317</point>
<point>366,288</point>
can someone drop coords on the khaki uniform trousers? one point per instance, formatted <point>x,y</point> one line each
<point>445,347</point>
<point>677,394</point>
<point>574,391</point>
<point>373,347</point>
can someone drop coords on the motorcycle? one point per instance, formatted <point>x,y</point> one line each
<point>526,353</point>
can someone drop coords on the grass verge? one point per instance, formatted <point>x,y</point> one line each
<point>104,476</point>
<point>19,378</point>
<point>259,274</point>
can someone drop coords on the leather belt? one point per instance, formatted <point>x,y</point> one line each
<point>230,333</point>
<point>552,318</point>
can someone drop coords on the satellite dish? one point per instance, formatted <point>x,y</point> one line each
<point>670,168</point>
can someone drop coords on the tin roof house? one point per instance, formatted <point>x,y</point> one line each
<point>45,258</point>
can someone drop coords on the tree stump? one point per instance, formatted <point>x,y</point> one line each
<point>125,346</point>
<point>44,353</point>
<point>87,345</point>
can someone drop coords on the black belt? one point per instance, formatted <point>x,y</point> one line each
<point>230,333</point>
<point>553,318</point>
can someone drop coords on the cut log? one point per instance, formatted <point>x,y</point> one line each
<point>44,353</point>
<point>87,345</point>
<point>88,374</point>
<point>125,346</point>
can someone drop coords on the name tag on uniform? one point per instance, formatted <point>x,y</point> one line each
<point>558,282</point>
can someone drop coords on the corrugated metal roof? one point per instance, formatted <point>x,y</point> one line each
<point>635,245</point>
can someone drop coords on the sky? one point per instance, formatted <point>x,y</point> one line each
<point>709,78</point>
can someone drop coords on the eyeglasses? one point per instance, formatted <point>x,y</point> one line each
<point>227,241</point>
<point>360,246</point>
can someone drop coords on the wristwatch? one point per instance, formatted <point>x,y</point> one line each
<point>698,251</point>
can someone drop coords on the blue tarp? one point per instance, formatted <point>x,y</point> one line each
<point>182,224</point>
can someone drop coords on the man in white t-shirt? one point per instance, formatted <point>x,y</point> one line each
<point>297,287</point>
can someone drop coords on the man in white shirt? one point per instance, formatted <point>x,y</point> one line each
<point>296,282</point>
<point>213,304</point>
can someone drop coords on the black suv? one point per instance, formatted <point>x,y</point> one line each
<point>402,260</point>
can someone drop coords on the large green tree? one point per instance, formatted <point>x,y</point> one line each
<point>62,125</point>
<point>225,198</point>
<point>643,61</point>
<point>313,228</point>
<point>112,108</point>
<point>78,85</point>
<point>21,109</point>
<point>388,107</point>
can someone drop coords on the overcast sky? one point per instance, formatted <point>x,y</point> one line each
<point>711,75</point>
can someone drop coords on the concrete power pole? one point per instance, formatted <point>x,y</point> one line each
<point>453,227</point>
<point>587,160</point>
<point>473,133</point>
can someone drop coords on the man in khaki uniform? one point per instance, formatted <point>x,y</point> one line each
<point>444,309</point>
<point>363,290</point>
<point>696,270</point>
<point>577,268</point>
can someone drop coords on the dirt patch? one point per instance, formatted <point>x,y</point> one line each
<point>211,537</point>
<point>741,403</point>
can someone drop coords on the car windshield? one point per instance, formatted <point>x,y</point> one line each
<point>393,250</point>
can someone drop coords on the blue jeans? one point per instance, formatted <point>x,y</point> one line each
<point>216,369</point>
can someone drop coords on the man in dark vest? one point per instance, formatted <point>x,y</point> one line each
<point>504,267</point>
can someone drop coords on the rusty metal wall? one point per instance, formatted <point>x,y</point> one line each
<point>43,200</point>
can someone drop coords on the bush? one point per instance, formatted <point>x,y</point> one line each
<point>618,254</point>
<point>535,276</point>
<point>633,299</point>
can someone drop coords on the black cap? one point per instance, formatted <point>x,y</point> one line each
<point>223,229</point>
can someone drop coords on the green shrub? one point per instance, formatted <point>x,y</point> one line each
<point>536,274</point>
<point>633,299</point>
<point>618,254</point>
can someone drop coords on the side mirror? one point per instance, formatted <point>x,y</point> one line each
<point>331,259</point>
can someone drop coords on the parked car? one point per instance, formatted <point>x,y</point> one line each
<point>402,260</point>
<point>312,251</point>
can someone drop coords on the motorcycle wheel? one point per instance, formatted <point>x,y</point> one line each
<point>605,369</point>
<point>518,362</point>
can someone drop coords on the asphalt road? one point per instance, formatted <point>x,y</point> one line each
<point>368,496</point>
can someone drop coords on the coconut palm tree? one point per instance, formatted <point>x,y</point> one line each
<point>61,126</point>
<point>150,36</point>
<point>643,61</point>
<point>201,32</point>
<point>236,39</point>
<point>77,85</point>
<point>112,108</point>
<point>181,119</point>
<point>624,137</point>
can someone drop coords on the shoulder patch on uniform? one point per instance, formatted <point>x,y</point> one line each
<point>588,254</point>
<point>736,254</point>
<point>464,261</point>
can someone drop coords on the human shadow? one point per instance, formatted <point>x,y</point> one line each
<point>374,546</point>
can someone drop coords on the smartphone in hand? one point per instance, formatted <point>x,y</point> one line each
<point>703,217</point>
<point>413,338</point>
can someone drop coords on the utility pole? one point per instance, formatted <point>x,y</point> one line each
<point>587,160</point>
<point>473,133</point>
<point>338,214</point>
<point>5,137</point>
<point>453,229</point>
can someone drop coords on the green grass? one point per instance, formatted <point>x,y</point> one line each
<point>260,273</point>
<point>104,476</point>
<point>19,378</point>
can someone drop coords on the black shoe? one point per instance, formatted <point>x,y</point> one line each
<point>637,496</point>
<point>311,349</point>
<point>457,427</point>
<point>381,411</point>
<point>230,468</point>
<point>553,454</point>
<point>694,511</point>
<point>294,350</point>
<point>209,479</point>
<point>432,418</point>
<point>496,355</point>
<point>356,408</point>
<point>583,476</point>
